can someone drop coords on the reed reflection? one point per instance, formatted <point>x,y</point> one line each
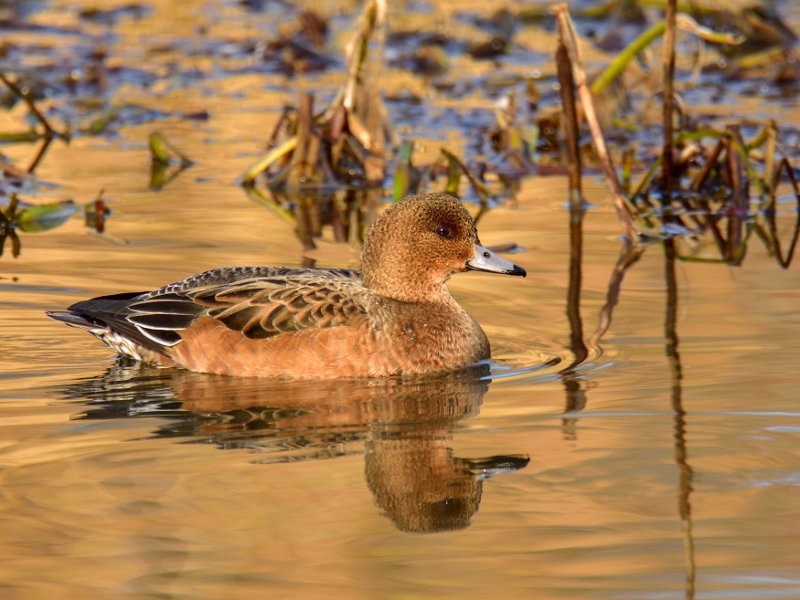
<point>404,428</point>
<point>576,398</point>
<point>681,458</point>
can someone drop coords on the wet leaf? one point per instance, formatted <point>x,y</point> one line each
<point>44,216</point>
<point>614,70</point>
<point>158,150</point>
<point>161,151</point>
<point>453,176</point>
<point>21,137</point>
<point>99,125</point>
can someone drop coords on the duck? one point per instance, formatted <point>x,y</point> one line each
<point>394,317</point>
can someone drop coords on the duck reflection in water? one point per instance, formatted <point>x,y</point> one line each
<point>404,428</point>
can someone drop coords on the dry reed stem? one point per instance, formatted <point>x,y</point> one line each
<point>356,113</point>
<point>570,126</point>
<point>569,39</point>
<point>739,190</point>
<point>769,158</point>
<point>579,350</point>
<point>669,90</point>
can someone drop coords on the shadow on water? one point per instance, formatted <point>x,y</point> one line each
<point>403,428</point>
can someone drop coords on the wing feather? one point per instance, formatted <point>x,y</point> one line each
<point>268,306</point>
<point>259,302</point>
<point>262,307</point>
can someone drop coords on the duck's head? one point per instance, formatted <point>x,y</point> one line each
<point>418,243</point>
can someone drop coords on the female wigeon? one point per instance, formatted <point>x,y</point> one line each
<point>395,317</point>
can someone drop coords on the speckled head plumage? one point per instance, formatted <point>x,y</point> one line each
<point>418,243</point>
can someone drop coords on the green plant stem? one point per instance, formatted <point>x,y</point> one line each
<point>262,165</point>
<point>626,56</point>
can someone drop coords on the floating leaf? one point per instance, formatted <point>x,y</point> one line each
<point>24,136</point>
<point>98,125</point>
<point>44,216</point>
<point>161,151</point>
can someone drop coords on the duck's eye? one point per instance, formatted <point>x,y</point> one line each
<point>443,231</point>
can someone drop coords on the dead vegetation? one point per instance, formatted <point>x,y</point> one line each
<point>708,188</point>
<point>708,183</point>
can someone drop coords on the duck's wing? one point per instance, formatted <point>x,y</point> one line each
<point>259,302</point>
<point>268,306</point>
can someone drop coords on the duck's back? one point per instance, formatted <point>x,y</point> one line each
<point>229,321</point>
<point>281,322</point>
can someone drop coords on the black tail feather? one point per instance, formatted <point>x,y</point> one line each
<point>75,319</point>
<point>111,312</point>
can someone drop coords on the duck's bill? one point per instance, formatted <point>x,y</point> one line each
<point>486,260</point>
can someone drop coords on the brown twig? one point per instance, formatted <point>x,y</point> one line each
<point>49,131</point>
<point>40,154</point>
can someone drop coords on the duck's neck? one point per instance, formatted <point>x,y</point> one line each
<point>407,289</point>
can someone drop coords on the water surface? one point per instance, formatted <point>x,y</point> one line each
<point>666,465</point>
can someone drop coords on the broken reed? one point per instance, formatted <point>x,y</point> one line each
<point>568,39</point>
<point>668,59</point>
<point>712,192</point>
<point>727,169</point>
<point>346,143</point>
<point>339,147</point>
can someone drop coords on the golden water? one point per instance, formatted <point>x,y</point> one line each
<point>121,482</point>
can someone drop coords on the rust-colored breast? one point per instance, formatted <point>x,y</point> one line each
<point>210,346</point>
<point>391,339</point>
